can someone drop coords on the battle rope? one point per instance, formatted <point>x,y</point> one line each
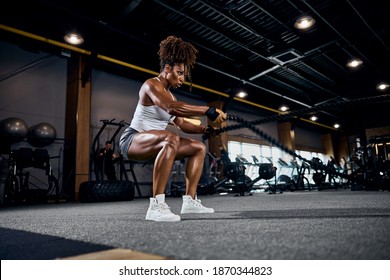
<point>265,136</point>
<point>316,165</point>
<point>298,113</point>
<point>302,112</point>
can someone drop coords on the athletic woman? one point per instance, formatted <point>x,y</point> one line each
<point>147,138</point>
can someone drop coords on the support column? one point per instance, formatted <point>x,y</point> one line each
<point>327,144</point>
<point>77,127</point>
<point>286,136</point>
<point>341,142</point>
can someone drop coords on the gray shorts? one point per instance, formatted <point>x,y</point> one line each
<point>125,140</point>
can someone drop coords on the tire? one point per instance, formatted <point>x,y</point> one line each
<point>104,191</point>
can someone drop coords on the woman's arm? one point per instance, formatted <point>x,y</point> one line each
<point>157,94</point>
<point>188,127</point>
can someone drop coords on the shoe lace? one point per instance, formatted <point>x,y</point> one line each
<point>197,202</point>
<point>164,208</point>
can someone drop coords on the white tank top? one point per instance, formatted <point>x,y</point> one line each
<point>150,117</point>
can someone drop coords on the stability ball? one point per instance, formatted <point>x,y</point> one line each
<point>13,130</point>
<point>41,135</point>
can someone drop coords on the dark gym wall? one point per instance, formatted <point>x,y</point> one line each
<point>32,86</point>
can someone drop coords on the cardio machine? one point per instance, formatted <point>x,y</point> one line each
<point>297,180</point>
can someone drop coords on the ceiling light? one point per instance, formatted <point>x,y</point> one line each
<point>283,108</point>
<point>353,63</point>
<point>382,86</point>
<point>74,38</point>
<point>304,22</point>
<point>336,125</point>
<point>313,118</point>
<point>242,94</point>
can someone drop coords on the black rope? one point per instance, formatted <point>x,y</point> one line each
<point>302,112</point>
<point>267,137</point>
<point>315,165</point>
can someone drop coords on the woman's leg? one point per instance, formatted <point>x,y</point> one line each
<point>195,151</point>
<point>159,144</point>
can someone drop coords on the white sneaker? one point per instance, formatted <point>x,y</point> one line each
<point>159,211</point>
<point>193,206</point>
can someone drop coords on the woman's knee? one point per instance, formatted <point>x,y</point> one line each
<point>200,147</point>
<point>172,140</point>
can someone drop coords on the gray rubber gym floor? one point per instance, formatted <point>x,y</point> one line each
<point>316,225</point>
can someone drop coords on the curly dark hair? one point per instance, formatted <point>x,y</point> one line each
<point>174,50</point>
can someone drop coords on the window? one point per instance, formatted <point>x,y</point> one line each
<point>265,154</point>
<point>234,149</point>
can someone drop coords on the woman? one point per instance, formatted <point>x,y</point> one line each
<point>147,138</point>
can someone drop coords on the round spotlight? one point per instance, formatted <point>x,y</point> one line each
<point>304,22</point>
<point>313,118</point>
<point>382,86</point>
<point>242,94</point>
<point>74,38</point>
<point>336,125</point>
<point>283,108</point>
<point>353,63</point>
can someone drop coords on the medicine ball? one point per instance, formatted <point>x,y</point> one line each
<point>13,130</point>
<point>41,135</point>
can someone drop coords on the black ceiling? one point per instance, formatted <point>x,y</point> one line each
<point>242,44</point>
